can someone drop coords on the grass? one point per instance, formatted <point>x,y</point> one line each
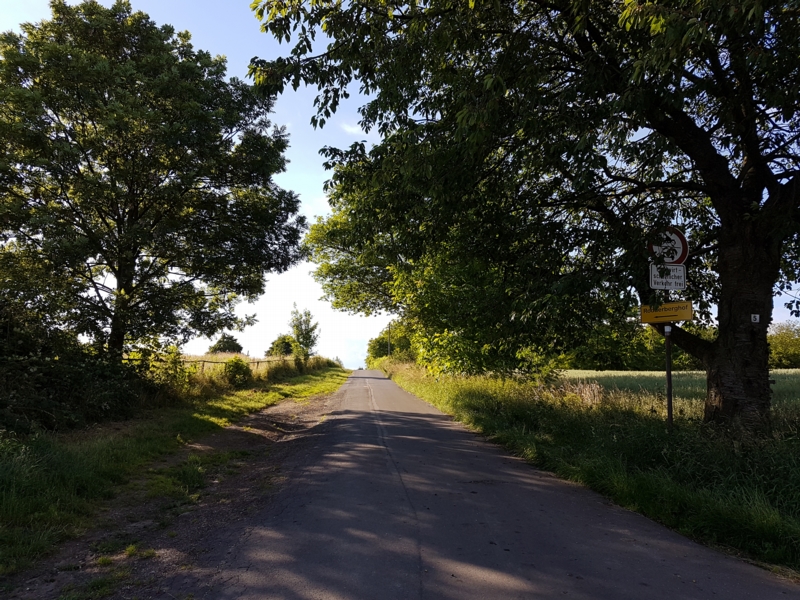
<point>52,485</point>
<point>607,431</point>
<point>690,385</point>
<point>268,368</point>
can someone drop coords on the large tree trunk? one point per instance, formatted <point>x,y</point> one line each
<point>119,320</point>
<point>116,337</point>
<point>737,365</point>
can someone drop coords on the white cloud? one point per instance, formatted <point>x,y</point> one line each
<point>351,129</point>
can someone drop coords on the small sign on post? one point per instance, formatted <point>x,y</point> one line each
<point>673,248</point>
<point>669,273</point>
<point>670,254</point>
<point>667,312</point>
<point>673,277</point>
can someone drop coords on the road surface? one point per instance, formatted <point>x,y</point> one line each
<point>396,501</point>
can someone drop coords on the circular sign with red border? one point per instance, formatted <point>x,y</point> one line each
<point>673,249</point>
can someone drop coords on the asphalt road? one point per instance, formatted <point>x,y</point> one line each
<point>397,501</point>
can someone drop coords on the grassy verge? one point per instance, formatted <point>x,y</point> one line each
<point>51,485</point>
<point>702,483</point>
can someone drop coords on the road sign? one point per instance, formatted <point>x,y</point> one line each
<point>673,278</point>
<point>667,313</point>
<point>673,248</point>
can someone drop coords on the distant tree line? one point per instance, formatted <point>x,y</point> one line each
<point>625,346</point>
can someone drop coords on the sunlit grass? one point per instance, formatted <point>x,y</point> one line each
<point>688,385</point>
<point>607,430</point>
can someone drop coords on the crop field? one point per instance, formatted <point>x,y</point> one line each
<point>687,385</point>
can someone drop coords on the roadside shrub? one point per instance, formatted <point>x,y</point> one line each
<point>169,373</point>
<point>49,380</point>
<point>238,372</point>
<point>66,391</point>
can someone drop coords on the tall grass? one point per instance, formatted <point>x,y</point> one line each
<point>268,368</point>
<point>51,484</point>
<point>609,434</point>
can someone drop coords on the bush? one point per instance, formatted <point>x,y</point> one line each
<point>67,391</point>
<point>784,346</point>
<point>281,346</point>
<point>169,373</point>
<point>238,372</point>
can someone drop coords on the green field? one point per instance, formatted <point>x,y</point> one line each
<point>690,385</point>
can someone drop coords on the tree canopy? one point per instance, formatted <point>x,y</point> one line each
<point>136,194</point>
<point>394,340</point>
<point>304,331</point>
<point>283,345</point>
<point>531,150</point>
<point>225,344</point>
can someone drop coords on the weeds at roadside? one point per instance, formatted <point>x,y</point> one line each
<point>99,587</point>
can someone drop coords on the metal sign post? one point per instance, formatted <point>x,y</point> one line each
<point>668,347</point>
<point>669,273</point>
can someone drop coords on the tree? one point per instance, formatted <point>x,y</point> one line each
<point>136,178</point>
<point>784,345</point>
<point>225,344</point>
<point>304,332</point>
<point>630,346</point>
<point>395,341</point>
<point>541,145</point>
<point>283,345</point>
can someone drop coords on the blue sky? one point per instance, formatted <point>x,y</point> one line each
<point>229,28</point>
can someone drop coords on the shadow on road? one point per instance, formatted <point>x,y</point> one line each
<point>403,503</point>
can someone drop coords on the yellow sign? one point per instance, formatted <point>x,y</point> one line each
<point>666,313</point>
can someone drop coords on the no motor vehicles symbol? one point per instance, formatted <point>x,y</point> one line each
<point>672,248</point>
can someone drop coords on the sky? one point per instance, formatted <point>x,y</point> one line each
<point>229,28</point>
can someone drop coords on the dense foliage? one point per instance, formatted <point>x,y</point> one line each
<point>49,380</point>
<point>529,153</point>
<point>137,203</point>
<point>225,344</point>
<point>283,345</point>
<point>784,346</point>
<point>305,333</point>
<point>395,341</point>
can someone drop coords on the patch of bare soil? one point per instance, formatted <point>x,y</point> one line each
<point>146,537</point>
